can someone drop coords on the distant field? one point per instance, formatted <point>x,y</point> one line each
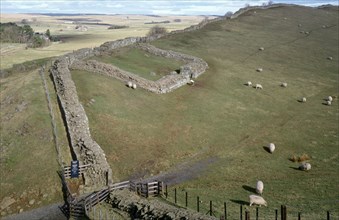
<point>219,118</point>
<point>73,39</point>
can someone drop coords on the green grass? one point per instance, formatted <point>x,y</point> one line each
<point>144,134</point>
<point>140,62</point>
<point>28,156</point>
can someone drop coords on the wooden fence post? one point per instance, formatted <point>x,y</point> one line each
<point>240,212</point>
<point>186,199</point>
<point>175,195</point>
<point>299,216</point>
<point>247,215</point>
<point>198,201</point>
<point>283,212</point>
<point>225,210</point>
<point>276,214</point>
<point>257,214</point>
<point>328,215</point>
<point>211,208</point>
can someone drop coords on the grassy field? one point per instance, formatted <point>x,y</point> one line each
<point>141,63</point>
<point>28,156</point>
<point>144,134</point>
<point>72,39</point>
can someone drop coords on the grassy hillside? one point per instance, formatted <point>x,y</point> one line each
<point>219,118</point>
<point>28,158</point>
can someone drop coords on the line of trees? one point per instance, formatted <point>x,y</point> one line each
<point>12,33</point>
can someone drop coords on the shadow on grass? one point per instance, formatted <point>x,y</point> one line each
<point>249,188</point>
<point>295,168</point>
<point>240,202</point>
<point>266,149</point>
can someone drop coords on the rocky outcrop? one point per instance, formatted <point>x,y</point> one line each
<point>141,208</point>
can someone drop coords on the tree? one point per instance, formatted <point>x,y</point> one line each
<point>228,14</point>
<point>156,30</point>
<point>48,34</point>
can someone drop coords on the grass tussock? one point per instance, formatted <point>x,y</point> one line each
<point>303,157</point>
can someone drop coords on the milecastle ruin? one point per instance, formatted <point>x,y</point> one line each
<point>98,174</point>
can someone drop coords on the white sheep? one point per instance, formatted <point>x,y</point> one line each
<point>129,84</point>
<point>271,148</point>
<point>305,166</point>
<point>191,82</point>
<point>330,58</point>
<point>257,200</point>
<point>283,85</point>
<point>249,83</point>
<point>258,86</point>
<point>260,187</point>
<point>261,48</point>
<point>303,99</point>
<point>328,102</point>
<point>259,69</point>
<point>329,98</point>
<point>134,86</point>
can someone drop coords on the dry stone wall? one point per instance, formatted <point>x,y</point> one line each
<point>192,69</point>
<point>84,148</point>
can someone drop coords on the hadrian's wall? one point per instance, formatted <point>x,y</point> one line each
<point>84,148</point>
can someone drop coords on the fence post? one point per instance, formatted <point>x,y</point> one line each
<point>247,215</point>
<point>299,216</point>
<point>225,211</point>
<point>240,212</point>
<point>211,208</point>
<point>175,195</point>
<point>283,212</point>
<point>186,199</point>
<point>198,201</point>
<point>328,215</point>
<point>257,214</point>
<point>276,214</point>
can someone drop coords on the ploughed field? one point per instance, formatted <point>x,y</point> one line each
<point>221,120</point>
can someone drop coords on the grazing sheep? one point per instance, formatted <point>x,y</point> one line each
<point>305,166</point>
<point>134,86</point>
<point>191,82</point>
<point>271,148</point>
<point>260,187</point>
<point>129,84</point>
<point>303,99</point>
<point>329,98</point>
<point>330,58</point>
<point>258,86</point>
<point>284,85</point>
<point>259,70</point>
<point>249,83</point>
<point>261,48</point>
<point>307,32</point>
<point>257,200</point>
<point>328,102</point>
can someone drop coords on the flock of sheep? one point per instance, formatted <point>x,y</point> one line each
<point>258,199</point>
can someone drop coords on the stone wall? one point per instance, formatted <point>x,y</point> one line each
<point>193,68</point>
<point>84,148</point>
<point>141,208</point>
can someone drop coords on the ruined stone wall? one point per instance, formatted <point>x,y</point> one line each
<point>141,208</point>
<point>84,148</point>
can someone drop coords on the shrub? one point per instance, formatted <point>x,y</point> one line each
<point>156,30</point>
